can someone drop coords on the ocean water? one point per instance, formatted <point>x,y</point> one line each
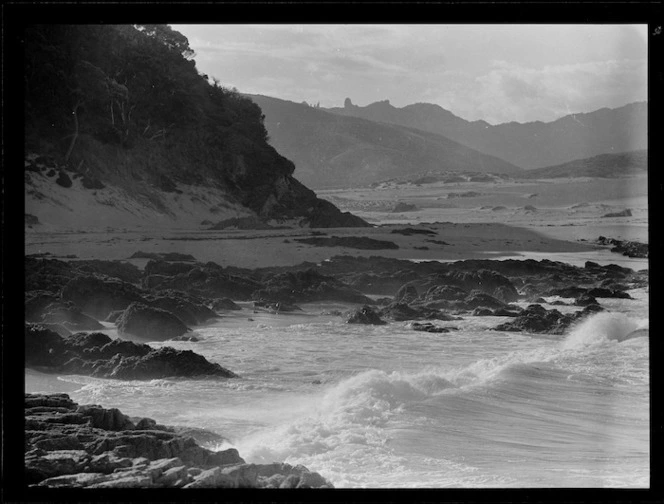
<point>387,406</point>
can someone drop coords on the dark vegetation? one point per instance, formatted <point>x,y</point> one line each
<point>124,104</point>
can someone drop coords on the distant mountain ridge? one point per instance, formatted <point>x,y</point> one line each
<point>331,150</point>
<point>601,166</point>
<point>527,145</point>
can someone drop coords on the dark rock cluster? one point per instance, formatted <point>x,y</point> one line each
<point>625,247</point>
<point>87,446</point>
<point>537,319</point>
<point>96,354</point>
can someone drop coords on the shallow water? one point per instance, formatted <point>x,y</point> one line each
<point>387,406</point>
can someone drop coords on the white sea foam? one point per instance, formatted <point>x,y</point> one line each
<point>602,327</point>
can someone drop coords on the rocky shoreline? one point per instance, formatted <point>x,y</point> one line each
<point>168,298</point>
<point>87,446</point>
<point>68,303</point>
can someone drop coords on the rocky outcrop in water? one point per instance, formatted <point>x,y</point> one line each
<point>99,296</point>
<point>626,248</point>
<point>96,354</point>
<point>537,319</point>
<point>399,311</point>
<point>305,286</point>
<point>204,280</point>
<point>149,322</point>
<point>429,327</point>
<point>88,446</point>
<point>365,315</point>
<point>222,304</point>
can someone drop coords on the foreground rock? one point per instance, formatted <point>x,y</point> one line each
<point>87,446</point>
<point>96,354</point>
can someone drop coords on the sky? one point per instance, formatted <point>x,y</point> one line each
<point>498,73</point>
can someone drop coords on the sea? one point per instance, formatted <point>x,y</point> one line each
<point>390,407</point>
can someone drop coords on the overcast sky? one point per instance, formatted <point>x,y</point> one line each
<point>498,73</point>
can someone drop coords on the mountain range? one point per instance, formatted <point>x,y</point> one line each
<point>333,150</point>
<point>526,145</point>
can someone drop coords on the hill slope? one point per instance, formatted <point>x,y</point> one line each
<point>527,145</point>
<point>602,166</point>
<point>123,108</point>
<point>330,150</point>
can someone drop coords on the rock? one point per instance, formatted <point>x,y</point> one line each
<point>163,256</point>
<point>114,316</point>
<point>116,269</point>
<point>624,213</point>
<point>585,300</point>
<point>63,180</point>
<point>413,231</point>
<point>122,481</point>
<point>404,207</point>
<point>149,322</point>
<point>173,477</point>
<point>205,280</point>
<point>80,480</point>
<point>536,319</point>
<point>96,354</point>
<point>445,293</point>
<point>480,299</point>
<point>211,478</point>
<point>222,304</point>
<point>406,294</point>
<point>190,310</point>
<point>55,463</point>
<point>161,267</point>
<point>365,315</point>
<point>307,286</point>
<point>167,362</point>
<point>43,347</point>
<point>100,296</point>
<point>276,307</point>
<point>36,302</point>
<point>600,292</point>
<point>401,311</point>
<point>291,481</point>
<point>107,419</point>
<point>70,317</point>
<point>242,476</point>
<point>428,327</point>
<point>107,462</point>
<point>133,458</point>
